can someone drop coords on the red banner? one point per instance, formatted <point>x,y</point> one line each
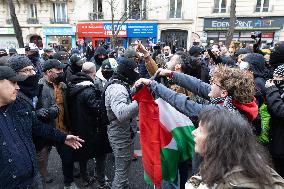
<point>91,30</point>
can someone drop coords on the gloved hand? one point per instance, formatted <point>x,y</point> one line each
<point>42,112</point>
<point>53,111</point>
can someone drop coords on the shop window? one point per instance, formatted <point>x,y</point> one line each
<point>175,8</point>
<point>97,13</point>
<point>136,9</point>
<point>262,6</point>
<point>220,6</point>
<point>59,13</point>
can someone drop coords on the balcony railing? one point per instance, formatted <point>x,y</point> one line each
<point>32,21</point>
<point>96,15</point>
<point>59,21</point>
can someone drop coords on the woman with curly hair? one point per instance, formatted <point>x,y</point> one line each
<point>230,88</point>
<point>232,158</point>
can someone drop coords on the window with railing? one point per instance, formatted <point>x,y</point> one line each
<point>262,6</point>
<point>136,9</point>
<point>175,8</point>
<point>97,13</point>
<point>59,13</point>
<point>220,6</point>
<point>32,11</point>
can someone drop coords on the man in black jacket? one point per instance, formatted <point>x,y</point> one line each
<point>18,164</point>
<point>89,121</point>
<point>275,106</point>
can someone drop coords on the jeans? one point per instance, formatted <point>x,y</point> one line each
<point>65,153</point>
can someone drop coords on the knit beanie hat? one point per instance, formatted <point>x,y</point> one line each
<point>19,62</point>
<point>279,70</point>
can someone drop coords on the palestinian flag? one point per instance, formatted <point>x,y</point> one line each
<point>165,136</point>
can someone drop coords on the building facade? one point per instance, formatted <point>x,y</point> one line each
<point>265,16</point>
<point>43,22</point>
<point>48,22</point>
<point>148,20</point>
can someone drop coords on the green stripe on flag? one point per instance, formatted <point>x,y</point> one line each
<point>184,141</point>
<point>170,159</point>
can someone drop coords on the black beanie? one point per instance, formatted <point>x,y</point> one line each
<point>19,62</point>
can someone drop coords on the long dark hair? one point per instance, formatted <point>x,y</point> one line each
<point>230,142</point>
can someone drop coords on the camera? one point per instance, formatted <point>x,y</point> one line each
<point>255,35</point>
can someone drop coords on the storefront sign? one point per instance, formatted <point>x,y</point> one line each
<point>8,31</point>
<point>125,30</point>
<point>91,30</point>
<point>265,23</point>
<point>142,29</point>
<point>59,31</point>
<point>100,30</point>
<point>122,28</point>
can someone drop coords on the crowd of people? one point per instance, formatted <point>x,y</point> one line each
<point>81,103</point>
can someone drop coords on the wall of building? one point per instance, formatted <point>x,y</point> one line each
<point>244,8</point>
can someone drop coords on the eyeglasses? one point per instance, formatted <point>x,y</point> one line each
<point>27,70</point>
<point>212,82</point>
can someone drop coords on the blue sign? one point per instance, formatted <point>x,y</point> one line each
<point>59,31</point>
<point>148,29</point>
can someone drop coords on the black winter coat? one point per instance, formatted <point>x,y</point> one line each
<point>275,106</point>
<point>87,111</point>
<point>25,123</point>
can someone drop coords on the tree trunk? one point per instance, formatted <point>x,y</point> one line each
<point>16,25</point>
<point>233,18</point>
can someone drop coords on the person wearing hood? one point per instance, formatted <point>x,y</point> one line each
<point>33,55</point>
<point>122,113</point>
<point>275,106</point>
<point>76,66</point>
<point>106,71</point>
<point>87,113</point>
<point>260,73</point>
<point>277,55</point>
<point>99,56</point>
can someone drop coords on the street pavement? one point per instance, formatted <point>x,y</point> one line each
<point>136,178</point>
